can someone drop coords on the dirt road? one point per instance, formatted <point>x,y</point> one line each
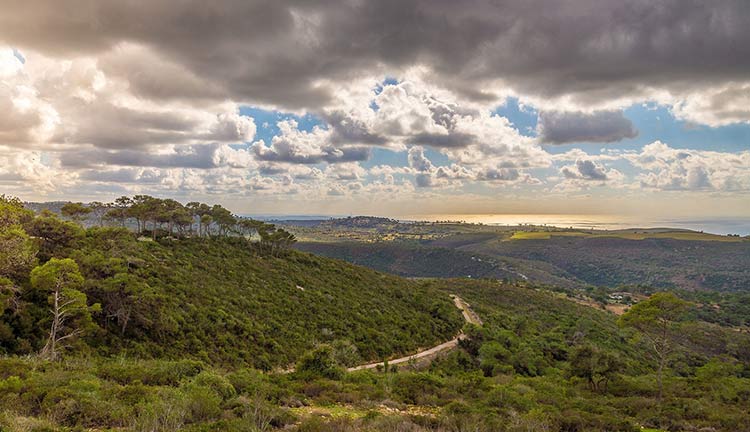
<point>469,316</point>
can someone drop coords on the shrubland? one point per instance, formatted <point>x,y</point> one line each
<point>197,330</point>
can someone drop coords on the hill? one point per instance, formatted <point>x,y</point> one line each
<point>185,327</point>
<point>570,258</point>
<point>225,299</point>
<point>611,261</point>
<point>223,302</point>
<point>526,368</point>
<point>411,260</point>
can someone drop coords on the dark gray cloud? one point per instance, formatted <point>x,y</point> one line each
<point>200,156</point>
<point>584,170</point>
<point>271,169</point>
<point>452,140</point>
<point>292,154</point>
<point>351,131</point>
<point>277,51</point>
<point>572,127</point>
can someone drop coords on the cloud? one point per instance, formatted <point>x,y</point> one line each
<point>30,169</point>
<point>571,127</point>
<point>418,161</point>
<point>428,175</point>
<point>453,140</point>
<point>292,54</point>
<point>300,147</point>
<point>667,168</point>
<point>202,156</point>
<point>584,170</point>
<point>719,106</point>
<point>345,172</point>
<point>150,93</point>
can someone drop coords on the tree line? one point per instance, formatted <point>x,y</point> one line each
<point>158,217</point>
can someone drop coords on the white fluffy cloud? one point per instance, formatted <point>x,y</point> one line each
<point>668,168</point>
<point>54,104</point>
<point>716,106</point>
<point>296,146</point>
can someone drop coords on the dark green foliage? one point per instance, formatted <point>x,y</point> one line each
<point>662,263</point>
<point>452,395</point>
<point>595,366</point>
<point>319,363</point>
<point>224,299</point>
<point>55,236</point>
<point>75,211</point>
<point>405,259</point>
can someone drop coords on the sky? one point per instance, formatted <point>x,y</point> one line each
<point>390,108</point>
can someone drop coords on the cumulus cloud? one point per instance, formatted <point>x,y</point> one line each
<point>584,169</point>
<point>719,106</point>
<point>203,156</point>
<point>419,161</point>
<point>428,175</point>
<point>293,145</point>
<point>571,127</point>
<point>30,168</point>
<point>667,168</point>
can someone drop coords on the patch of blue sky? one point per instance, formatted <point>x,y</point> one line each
<point>523,118</point>
<point>437,158</point>
<point>266,122</point>
<point>383,156</point>
<point>386,82</point>
<point>19,56</point>
<point>656,122</point>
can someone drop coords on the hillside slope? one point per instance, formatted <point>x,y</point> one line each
<point>219,300</point>
<point>411,260</point>
<point>609,261</point>
<point>570,261</point>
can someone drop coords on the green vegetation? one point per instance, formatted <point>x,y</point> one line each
<point>194,325</point>
<point>656,318</point>
<point>564,258</point>
<point>520,371</point>
<point>405,259</point>
<point>226,299</point>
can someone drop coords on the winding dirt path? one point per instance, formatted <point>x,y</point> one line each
<point>469,315</point>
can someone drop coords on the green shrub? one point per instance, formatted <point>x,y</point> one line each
<point>319,363</point>
<point>202,403</point>
<point>168,411</point>
<point>149,372</point>
<point>417,388</point>
<point>217,383</point>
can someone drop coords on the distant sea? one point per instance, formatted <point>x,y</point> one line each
<point>719,225</point>
<point>722,226</point>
